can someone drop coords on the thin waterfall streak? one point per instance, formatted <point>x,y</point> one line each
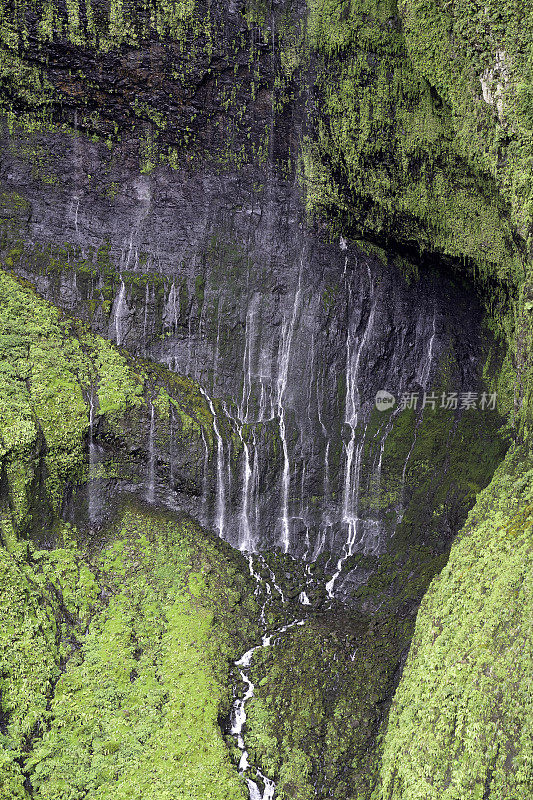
<point>404,472</point>
<point>220,494</point>
<point>429,361</point>
<point>150,493</point>
<point>255,485</point>
<point>326,480</point>
<point>120,310</point>
<point>311,371</point>
<point>205,515</point>
<point>245,534</point>
<point>326,473</point>
<point>283,369</point>
<point>189,343</point>
<point>145,321</point>
<point>92,464</point>
<point>249,337</point>
<point>302,489</point>
<point>217,347</point>
<point>319,544</point>
<point>246,544</point>
<point>354,452</point>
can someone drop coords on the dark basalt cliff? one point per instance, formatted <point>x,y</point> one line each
<point>292,337</point>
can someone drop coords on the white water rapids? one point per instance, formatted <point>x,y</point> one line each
<point>238,712</point>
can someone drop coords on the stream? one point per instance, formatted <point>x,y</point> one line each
<point>238,711</point>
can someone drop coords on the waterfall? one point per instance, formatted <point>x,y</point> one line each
<point>238,714</point>
<point>249,338</point>
<point>221,494</point>
<point>145,319</point>
<point>92,465</point>
<point>150,492</point>
<point>216,355</point>
<point>255,483</point>
<point>245,531</point>
<point>189,344</point>
<point>205,475</point>
<point>121,310</point>
<point>424,370</point>
<point>304,600</point>
<point>246,543</point>
<point>283,370</point>
<point>423,375</point>
<point>353,450</point>
<point>272,578</point>
<point>326,481</point>
<point>275,457</point>
<point>171,311</point>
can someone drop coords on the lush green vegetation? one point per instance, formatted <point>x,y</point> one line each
<point>51,370</point>
<point>114,657</point>
<point>115,664</point>
<point>406,150</point>
<point>477,55</point>
<point>460,724</point>
<point>319,705</point>
<point>385,151</point>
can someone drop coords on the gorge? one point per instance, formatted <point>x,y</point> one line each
<point>266,482</point>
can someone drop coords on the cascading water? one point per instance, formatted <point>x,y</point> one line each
<point>245,531</point>
<point>221,491</point>
<point>424,371</point>
<point>343,516</point>
<point>354,448</point>
<point>291,460</point>
<point>145,315</point>
<point>150,483</point>
<point>423,376</point>
<point>283,371</point>
<point>238,712</point>
<point>247,543</point>
<point>249,340</point>
<point>120,312</point>
<point>171,312</point>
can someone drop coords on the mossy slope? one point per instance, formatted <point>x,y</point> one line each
<point>150,622</point>
<point>320,700</point>
<point>460,723</point>
<point>51,371</point>
<point>423,141</point>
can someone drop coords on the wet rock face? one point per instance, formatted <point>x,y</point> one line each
<point>220,278</point>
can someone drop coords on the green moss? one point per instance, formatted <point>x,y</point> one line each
<point>51,370</point>
<point>118,385</point>
<point>406,152</point>
<point>462,46</point>
<point>141,699</point>
<point>316,714</point>
<point>124,674</point>
<point>460,721</point>
<point>382,126</point>
<point>40,592</point>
